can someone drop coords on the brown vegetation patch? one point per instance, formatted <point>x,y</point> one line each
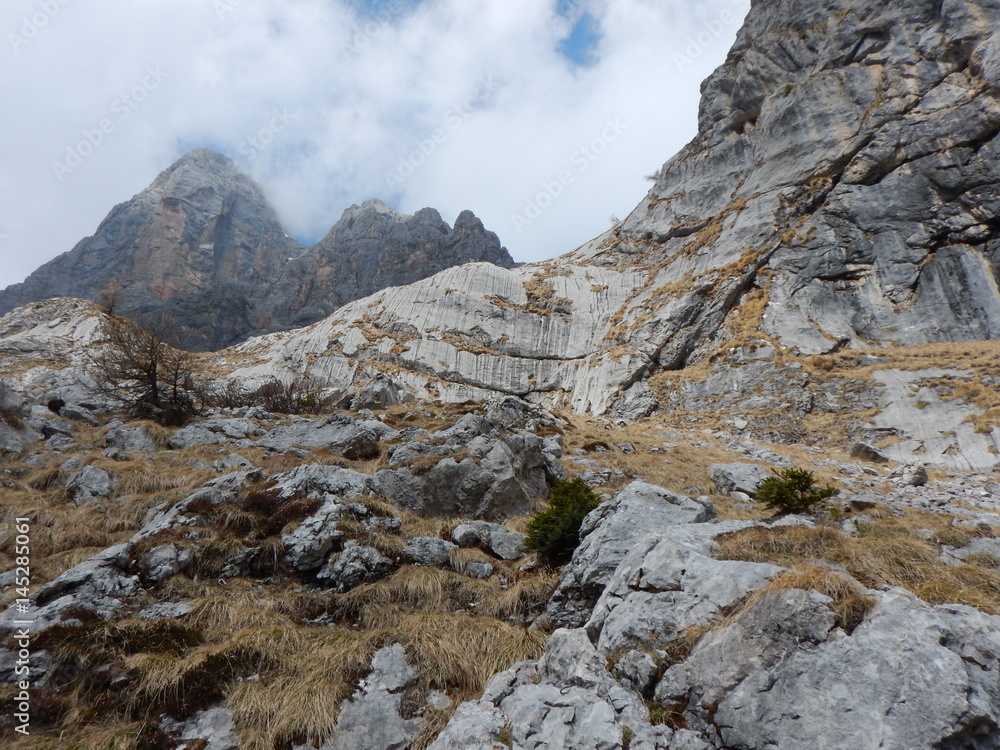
<point>886,554</point>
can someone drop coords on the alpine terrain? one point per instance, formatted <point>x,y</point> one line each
<point>726,477</point>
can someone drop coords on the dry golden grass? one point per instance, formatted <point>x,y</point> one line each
<point>886,554</point>
<point>850,602</point>
<point>682,469</point>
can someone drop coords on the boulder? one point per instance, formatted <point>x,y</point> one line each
<point>476,476</point>
<point>98,584</point>
<point>309,544</point>
<point>89,484</point>
<point>211,729</point>
<point>163,562</point>
<point>351,439</point>
<point>670,583</point>
<point>782,674</point>
<point>609,534</point>
<point>79,414</point>
<point>380,393</point>
<point>15,433</point>
<point>212,431</point>
<point>867,452</point>
<point>131,440</point>
<point>566,700</point>
<point>9,400</point>
<point>233,461</point>
<point>738,477</point>
<point>354,566</point>
<point>505,544</point>
<point>16,439</point>
<point>478,570</point>
<point>373,718</point>
<point>316,480</point>
<point>429,551</point>
<point>914,476</point>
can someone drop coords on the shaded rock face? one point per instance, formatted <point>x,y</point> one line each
<point>202,248</point>
<point>372,248</point>
<point>853,151</point>
<point>197,245</point>
<point>841,192</point>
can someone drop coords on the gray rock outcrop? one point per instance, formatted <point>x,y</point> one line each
<point>309,544</point>
<point>372,718</point>
<point>90,484</point>
<point>355,440</point>
<point>98,584</point>
<point>211,729</point>
<point>783,675</point>
<point>608,535</point>
<point>730,478</point>
<point>131,440</point>
<point>353,566</point>
<point>212,431</point>
<point>428,551</point>
<point>840,193</point>
<point>15,434</point>
<point>473,469</point>
<point>505,544</point>
<point>566,700</point>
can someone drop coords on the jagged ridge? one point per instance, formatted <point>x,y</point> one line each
<point>203,247</point>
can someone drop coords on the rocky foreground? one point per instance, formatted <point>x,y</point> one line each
<point>361,580</point>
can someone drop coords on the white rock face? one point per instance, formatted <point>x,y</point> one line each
<point>538,331</point>
<point>43,345</point>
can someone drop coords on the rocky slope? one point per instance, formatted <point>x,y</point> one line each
<point>202,247</point>
<point>360,579</point>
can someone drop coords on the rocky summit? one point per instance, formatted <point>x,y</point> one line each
<point>202,254</point>
<point>724,478</point>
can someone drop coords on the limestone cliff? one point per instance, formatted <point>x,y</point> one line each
<point>842,193</point>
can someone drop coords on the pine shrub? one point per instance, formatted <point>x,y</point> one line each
<point>555,531</point>
<point>792,491</point>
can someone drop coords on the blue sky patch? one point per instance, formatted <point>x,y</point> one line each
<point>580,47</point>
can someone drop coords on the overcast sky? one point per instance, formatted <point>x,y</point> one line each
<point>481,104</point>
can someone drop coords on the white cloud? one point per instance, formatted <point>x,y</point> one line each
<point>467,102</point>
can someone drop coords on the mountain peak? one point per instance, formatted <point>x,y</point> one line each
<point>202,246</point>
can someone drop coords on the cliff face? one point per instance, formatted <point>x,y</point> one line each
<point>198,245</point>
<point>842,194</point>
<point>202,247</point>
<point>372,248</point>
<point>846,167</point>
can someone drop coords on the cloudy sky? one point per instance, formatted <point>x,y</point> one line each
<point>454,104</point>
